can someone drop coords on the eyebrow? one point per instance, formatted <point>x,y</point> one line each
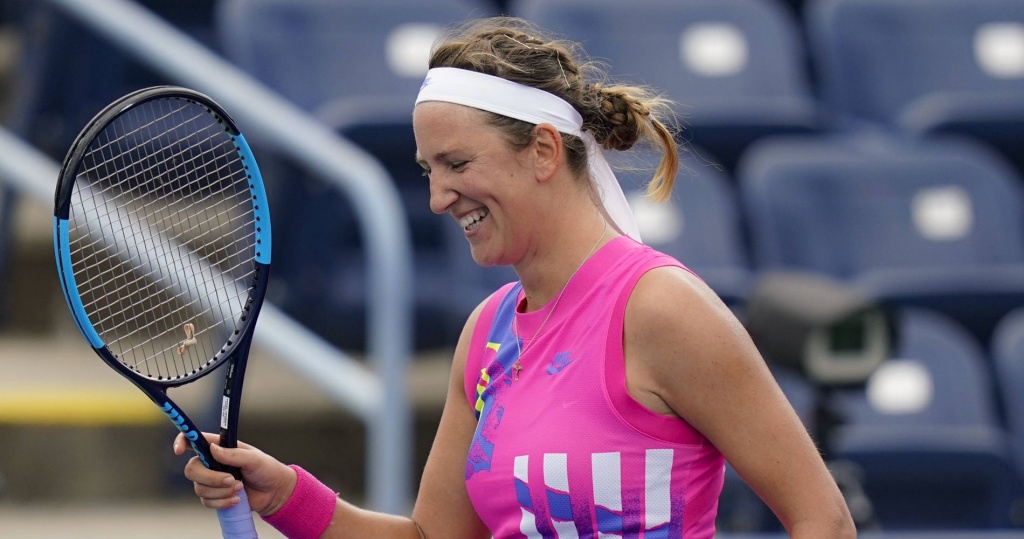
<point>440,156</point>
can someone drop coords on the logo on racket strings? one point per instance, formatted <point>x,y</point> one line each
<point>190,339</point>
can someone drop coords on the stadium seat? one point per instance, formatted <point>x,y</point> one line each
<point>316,51</point>
<point>1008,355</point>
<point>736,68</point>
<point>933,223</point>
<point>927,67</point>
<point>919,446</point>
<point>925,435</point>
<point>699,225</point>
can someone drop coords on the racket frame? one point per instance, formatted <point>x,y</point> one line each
<point>235,352</point>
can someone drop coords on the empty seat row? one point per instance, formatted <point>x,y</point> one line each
<point>924,443</point>
<point>740,71</point>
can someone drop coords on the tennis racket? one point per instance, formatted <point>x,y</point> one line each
<point>162,239</point>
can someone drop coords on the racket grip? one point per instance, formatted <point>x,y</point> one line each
<point>237,522</point>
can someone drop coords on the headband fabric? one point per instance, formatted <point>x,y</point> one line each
<point>535,106</point>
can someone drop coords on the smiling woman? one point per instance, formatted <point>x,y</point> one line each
<point>602,392</point>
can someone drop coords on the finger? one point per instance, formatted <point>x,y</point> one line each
<point>208,492</point>
<point>196,472</point>
<point>220,503</point>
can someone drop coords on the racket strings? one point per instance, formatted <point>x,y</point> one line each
<point>164,237</point>
<point>239,243</point>
<point>148,170</point>
<point>125,157</point>
<point>191,309</point>
<point>196,226</point>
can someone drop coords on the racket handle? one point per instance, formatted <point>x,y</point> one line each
<point>236,522</point>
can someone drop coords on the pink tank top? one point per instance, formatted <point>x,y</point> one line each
<point>565,451</point>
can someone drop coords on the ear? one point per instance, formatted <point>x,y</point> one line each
<point>548,150</point>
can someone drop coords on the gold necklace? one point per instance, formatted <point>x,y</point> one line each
<point>518,365</point>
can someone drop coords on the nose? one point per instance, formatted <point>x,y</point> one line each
<point>442,196</point>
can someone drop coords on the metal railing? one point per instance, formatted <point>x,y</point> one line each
<point>378,396</point>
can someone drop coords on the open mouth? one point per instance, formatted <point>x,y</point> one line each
<point>472,219</point>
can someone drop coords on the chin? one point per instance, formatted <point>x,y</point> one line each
<point>484,259</point>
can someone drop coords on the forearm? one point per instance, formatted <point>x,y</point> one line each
<point>351,522</point>
<point>313,510</point>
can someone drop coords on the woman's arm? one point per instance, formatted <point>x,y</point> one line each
<point>687,355</point>
<point>442,510</point>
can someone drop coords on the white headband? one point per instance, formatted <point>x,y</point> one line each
<point>507,98</point>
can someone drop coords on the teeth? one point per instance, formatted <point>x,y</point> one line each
<point>471,219</point>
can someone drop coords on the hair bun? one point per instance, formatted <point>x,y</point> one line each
<point>617,124</point>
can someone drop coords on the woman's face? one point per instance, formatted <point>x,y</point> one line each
<point>476,177</point>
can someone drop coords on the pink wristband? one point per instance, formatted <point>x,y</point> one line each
<point>308,511</point>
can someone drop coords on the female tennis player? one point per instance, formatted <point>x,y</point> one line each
<point>602,393</point>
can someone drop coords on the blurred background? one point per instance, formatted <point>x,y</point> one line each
<point>854,191</point>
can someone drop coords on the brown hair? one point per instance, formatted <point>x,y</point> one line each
<point>618,116</point>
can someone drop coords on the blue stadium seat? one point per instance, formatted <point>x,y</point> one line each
<point>736,68</point>
<point>925,434</point>
<point>934,223</point>
<point>316,51</point>
<point>699,225</point>
<point>1008,355</point>
<point>927,67</point>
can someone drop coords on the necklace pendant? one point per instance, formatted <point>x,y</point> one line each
<point>516,367</point>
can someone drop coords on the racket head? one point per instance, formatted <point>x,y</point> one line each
<point>162,235</point>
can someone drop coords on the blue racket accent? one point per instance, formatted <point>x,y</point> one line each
<point>236,522</point>
<point>259,201</point>
<point>67,276</point>
<point>60,264</point>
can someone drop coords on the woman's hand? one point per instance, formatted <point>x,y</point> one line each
<point>268,483</point>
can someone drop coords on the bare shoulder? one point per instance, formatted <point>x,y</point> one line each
<point>684,347</point>
<point>670,303</point>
